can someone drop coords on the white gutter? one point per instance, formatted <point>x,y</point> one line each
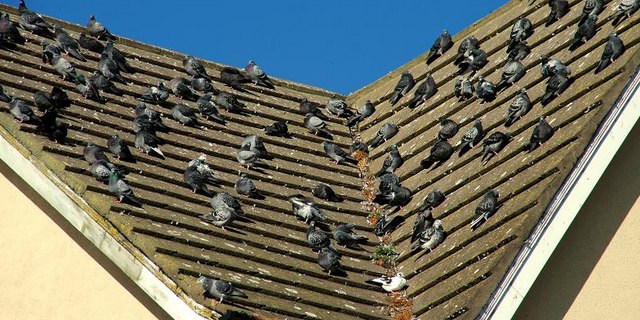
<point>135,269</point>
<point>565,205</point>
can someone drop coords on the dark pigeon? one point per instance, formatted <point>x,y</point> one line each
<point>392,162</point>
<point>440,152</point>
<point>316,125</point>
<point>148,142</point>
<point>257,75</point>
<point>398,196</point>
<point>318,239</point>
<point>493,144</point>
<point>111,52</point>
<point>153,117</point>
<point>32,21</point>
<point>385,225</point>
<point>196,180</point>
<point>181,88</point>
<point>550,67</point>
<point>585,32</point>
<point>67,43</point>
<point>155,94</point>
<point>9,33</point>
<point>338,107</point>
<point>195,68</point>
<point>337,154</point>
<point>519,52</point>
<point>511,73</point>
<point>486,208</point>
<point>555,86</point>
<point>56,99</point>
<point>88,89</point>
<point>463,89</point>
<point>403,87</point>
<point>203,85</point>
<point>98,30</point>
<point>425,90</point>
<point>433,199</point>
<point>345,236</point>
<point>613,49</point>
<point>624,10</point>
<point>386,132</point>
<point>474,60</point>
<point>90,44</point>
<point>22,112</point>
<point>448,129</point>
<point>110,69</point>
<point>485,90</point>
<point>591,7</point>
<point>5,97</point>
<point>466,45</point>
<point>424,220</point>
<point>245,186</point>
<point>307,106</point>
<point>365,111</point>
<point>520,31</point>
<point>119,148</point>
<point>233,78</point>
<point>52,128</point>
<point>440,46</point>
<point>559,8</point>
<point>209,110</point>
<point>541,133</point>
<point>228,102</point>
<point>121,190</point>
<point>324,191</point>
<point>219,289</point>
<point>472,137</point>
<point>277,129</point>
<point>256,144</point>
<point>185,115</point>
<point>104,84</point>
<point>518,108</point>
<point>387,182</point>
<point>328,260</point>
<point>48,51</point>
<point>93,153</point>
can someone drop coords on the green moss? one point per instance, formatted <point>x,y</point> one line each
<point>386,255</point>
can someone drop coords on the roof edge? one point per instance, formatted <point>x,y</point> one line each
<point>144,273</point>
<point>566,204</point>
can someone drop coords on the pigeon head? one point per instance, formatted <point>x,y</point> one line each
<point>543,118</point>
<point>478,121</point>
<point>613,35</point>
<point>202,280</point>
<point>400,275</point>
<point>437,224</point>
<point>508,135</point>
<point>92,17</point>
<point>405,73</point>
<point>522,91</point>
<point>202,157</point>
<point>56,27</point>
<point>251,62</point>
<point>592,17</point>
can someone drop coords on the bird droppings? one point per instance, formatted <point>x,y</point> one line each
<point>340,292</point>
<point>291,290</point>
<point>312,315</point>
<point>350,307</point>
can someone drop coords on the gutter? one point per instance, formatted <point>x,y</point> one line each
<point>565,205</point>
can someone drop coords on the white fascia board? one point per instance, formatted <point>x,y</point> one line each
<point>565,205</point>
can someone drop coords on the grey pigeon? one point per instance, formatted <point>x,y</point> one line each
<point>101,170</point>
<point>493,144</point>
<point>22,112</point>
<point>541,133</point>
<point>384,225</point>
<point>486,208</point>
<point>463,89</point>
<point>204,169</point>
<point>54,130</point>
<point>613,49</point>
<point>257,75</point>
<point>365,111</point>
<point>246,187</point>
<point>392,162</point>
<point>425,90</point>
<point>345,236</point>
<point>398,196</point>
<point>328,260</point>
<point>358,146</point>
<point>121,190</point>
<point>119,148</point>
<point>228,102</point>
<point>337,154</point>
<point>404,85</point>
<point>203,85</point>
<point>485,90</point>
<point>90,44</point>
<point>196,180</point>
<point>474,60</point>
<point>225,200</point>
<point>88,89</point>
<point>433,199</point>
<point>324,191</point>
<point>316,125</point>
<point>318,239</point>
<point>518,108</point>
<point>256,144</point>
<point>67,43</point>
<point>219,217</point>
<point>185,115</point>
<point>147,142</point>
<point>98,30</point>
<point>386,132</point>
<point>248,158</point>
<point>519,52</point>
<point>32,21</point>
<point>550,67</point>
<point>555,86</point>
<point>155,94</point>
<point>56,99</point>
<point>110,69</point>
<point>305,210</point>
<point>448,129</point>
<point>277,129</point>
<point>423,221</point>
<point>181,88</point>
<point>93,153</point>
<point>104,84</point>
<point>584,32</point>
<point>195,68</point>
<point>624,10</point>
<point>9,34</point>
<point>307,107</point>
<point>110,51</point>
<point>441,151</point>
<point>430,238</point>
<point>472,137</point>
<point>142,122</point>
<point>440,46</point>
<point>387,182</point>
<point>338,107</point>
<point>209,110</point>
<point>520,31</point>
<point>559,9</point>
<point>233,78</point>
<point>62,66</point>
<point>219,289</point>
<point>511,73</point>
<point>591,7</point>
<point>154,116</point>
<point>466,45</point>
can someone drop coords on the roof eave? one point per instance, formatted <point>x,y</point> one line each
<point>565,205</point>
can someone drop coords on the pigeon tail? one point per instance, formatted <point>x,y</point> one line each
<point>133,200</point>
<point>602,65</point>
<point>76,54</point>
<point>477,222</point>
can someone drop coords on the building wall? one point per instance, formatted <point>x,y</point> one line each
<point>593,274</point>
<point>50,271</point>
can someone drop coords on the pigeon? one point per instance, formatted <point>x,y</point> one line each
<point>337,154</point>
<point>307,107</point>
<point>448,129</point>
<point>305,210</point>
<point>474,60</point>
<point>228,102</point>
<point>22,112</point>
<point>101,170</point>
<point>365,111</point>
<point>613,49</point>
<point>441,151</point>
<point>392,162</point>
<point>121,190</point>
<point>204,169</point>
<point>97,30</point>
<point>111,52</point>
<point>472,137</point>
<point>219,217</point>
<point>591,7</point>
<point>463,89</point>
<point>277,129</point>
<point>425,90</point>
<point>196,180</point>
<point>624,10</point>
<point>386,132</point>
<point>541,133</point>
<point>208,109</point>
<point>328,260</point>
<point>584,32</point>
<point>147,142</point>
<point>318,239</point>
<point>485,90</point>
<point>56,99</point>
<point>519,52</point>
<point>4,96</point>
<point>9,33</point>
<point>324,191</point>
<point>433,199</point>
<point>32,21</point>
<point>245,187</point>
<point>248,158</point>
<point>493,144</point>
<point>154,117</point>
<point>181,88</point>
<point>93,153</point>
<point>219,289</point>
<point>316,125</point>
<point>387,182</point>
<point>155,94</point>
<point>511,73</point>
<point>233,78</point>
<point>398,196</point>
<point>345,236</point>
<point>110,69</point>
<point>385,226</point>
<point>119,148</point>
<point>338,107</point>
<point>223,200</point>
<point>559,9</point>
<point>555,86</point>
<point>403,86</point>
<point>195,68</point>
<point>142,122</point>
<point>520,31</point>
<point>203,85</point>
<point>424,220</point>
<point>67,43</point>
<point>518,108</point>
<point>53,129</point>
<point>104,84</point>
<point>255,144</point>
<point>390,284</point>
<point>90,44</point>
<point>358,146</point>
<point>257,75</point>
<point>466,45</point>
<point>440,46</point>
<point>430,238</point>
<point>62,66</point>
<point>185,115</point>
<point>486,208</point>
<point>88,89</point>
<point>550,67</point>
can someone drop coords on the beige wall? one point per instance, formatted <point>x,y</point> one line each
<point>595,271</point>
<point>48,270</point>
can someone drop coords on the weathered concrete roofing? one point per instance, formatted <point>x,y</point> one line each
<point>268,257</point>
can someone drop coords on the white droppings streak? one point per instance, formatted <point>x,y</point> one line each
<point>264,271</point>
<point>459,181</point>
<point>229,245</point>
<point>350,306</point>
<point>340,292</point>
<point>313,315</point>
<point>476,189</point>
<point>291,290</point>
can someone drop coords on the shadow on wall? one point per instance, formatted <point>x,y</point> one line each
<point>85,244</point>
<point>574,259</point>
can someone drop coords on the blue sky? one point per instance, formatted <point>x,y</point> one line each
<point>336,45</point>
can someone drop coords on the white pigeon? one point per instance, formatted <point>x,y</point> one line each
<point>390,284</point>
